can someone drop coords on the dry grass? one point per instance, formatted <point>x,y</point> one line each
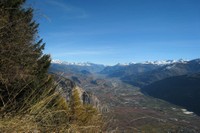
<point>51,114</point>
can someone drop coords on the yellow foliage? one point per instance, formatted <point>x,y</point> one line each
<point>54,114</point>
<point>83,114</point>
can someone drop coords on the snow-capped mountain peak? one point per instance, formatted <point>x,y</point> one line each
<point>71,63</point>
<point>125,64</point>
<point>159,62</point>
<point>57,61</point>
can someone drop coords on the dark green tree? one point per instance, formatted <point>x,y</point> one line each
<point>23,66</point>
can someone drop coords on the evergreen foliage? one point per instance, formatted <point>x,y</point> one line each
<point>28,100</point>
<point>23,66</point>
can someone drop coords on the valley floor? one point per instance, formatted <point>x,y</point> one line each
<point>130,110</point>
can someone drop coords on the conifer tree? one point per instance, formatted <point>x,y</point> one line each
<point>23,66</point>
<point>76,107</point>
<point>80,113</point>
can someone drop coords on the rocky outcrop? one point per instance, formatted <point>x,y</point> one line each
<point>65,87</point>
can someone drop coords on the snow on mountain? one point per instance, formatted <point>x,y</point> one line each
<point>161,62</point>
<point>57,61</point>
<point>71,63</point>
<point>166,62</point>
<point>124,64</point>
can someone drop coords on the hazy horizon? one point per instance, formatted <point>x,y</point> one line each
<point>123,63</point>
<point>115,31</point>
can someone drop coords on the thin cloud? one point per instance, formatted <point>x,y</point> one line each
<point>76,12</point>
<point>60,5</point>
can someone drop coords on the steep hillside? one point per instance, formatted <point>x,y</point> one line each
<point>66,86</point>
<point>174,69</point>
<point>180,90</point>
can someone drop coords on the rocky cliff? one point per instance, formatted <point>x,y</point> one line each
<point>65,87</point>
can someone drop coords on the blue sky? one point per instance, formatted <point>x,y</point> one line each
<point>112,31</point>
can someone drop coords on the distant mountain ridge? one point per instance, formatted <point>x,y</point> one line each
<point>137,74</point>
<point>162,72</point>
<point>74,63</point>
<point>141,74</point>
<point>157,62</point>
<point>104,69</point>
<point>86,67</point>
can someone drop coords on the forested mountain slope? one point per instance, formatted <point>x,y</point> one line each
<point>180,90</point>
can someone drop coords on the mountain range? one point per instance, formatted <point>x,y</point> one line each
<point>105,69</point>
<point>137,74</point>
<point>141,74</point>
<point>57,65</point>
<point>155,78</point>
